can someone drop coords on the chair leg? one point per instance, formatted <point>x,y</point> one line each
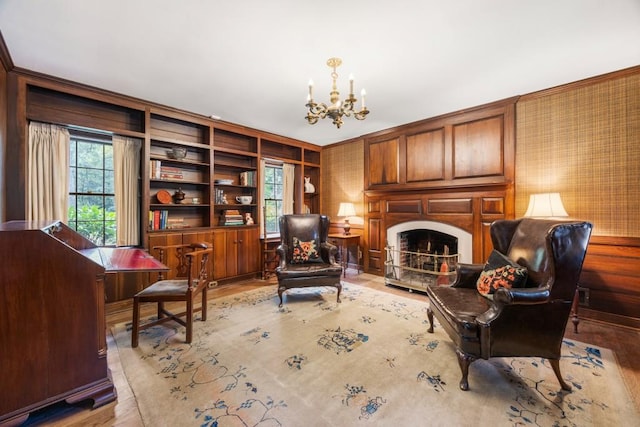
<point>280,292</point>
<point>464,360</point>
<point>555,364</point>
<point>189,321</point>
<point>204,305</point>
<point>160,309</point>
<point>430,317</point>
<point>136,322</point>
<point>339,286</point>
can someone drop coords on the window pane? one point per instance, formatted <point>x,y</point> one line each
<point>268,191</point>
<point>90,155</point>
<point>110,232</point>
<point>90,180</point>
<point>72,152</point>
<point>109,187</point>
<point>108,157</point>
<point>72,180</point>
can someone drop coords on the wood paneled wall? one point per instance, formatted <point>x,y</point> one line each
<point>3,137</point>
<point>579,139</point>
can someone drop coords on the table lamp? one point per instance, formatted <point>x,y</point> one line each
<point>346,210</point>
<point>546,205</point>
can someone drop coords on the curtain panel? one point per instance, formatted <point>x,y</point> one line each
<point>126,174</point>
<point>47,172</point>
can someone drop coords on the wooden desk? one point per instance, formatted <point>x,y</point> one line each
<point>54,334</point>
<point>124,260</point>
<point>344,241</point>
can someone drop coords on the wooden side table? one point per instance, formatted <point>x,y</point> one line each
<point>344,241</point>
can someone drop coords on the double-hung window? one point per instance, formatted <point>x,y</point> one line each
<point>91,210</point>
<point>273,195</point>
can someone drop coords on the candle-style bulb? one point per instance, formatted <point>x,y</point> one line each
<point>310,90</point>
<point>350,84</point>
<point>363,93</point>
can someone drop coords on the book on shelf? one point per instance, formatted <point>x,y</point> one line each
<point>159,171</point>
<point>170,172</point>
<point>248,179</point>
<point>160,220</point>
<point>231,217</point>
<point>155,169</point>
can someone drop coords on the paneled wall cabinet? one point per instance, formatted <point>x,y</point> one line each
<point>456,169</point>
<point>471,148</point>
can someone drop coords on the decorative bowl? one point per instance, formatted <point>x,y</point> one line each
<point>178,153</point>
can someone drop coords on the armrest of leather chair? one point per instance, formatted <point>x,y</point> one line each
<point>328,252</point>
<point>281,250</point>
<point>523,296</point>
<point>467,275</point>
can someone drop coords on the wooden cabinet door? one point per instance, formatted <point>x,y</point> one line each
<point>236,252</point>
<point>248,251</point>
<point>219,254</point>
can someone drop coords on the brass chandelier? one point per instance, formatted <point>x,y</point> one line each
<point>336,108</point>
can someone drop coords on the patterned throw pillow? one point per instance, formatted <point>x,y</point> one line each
<point>500,272</point>
<point>304,252</point>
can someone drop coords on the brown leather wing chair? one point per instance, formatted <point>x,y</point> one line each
<point>306,258</point>
<point>517,322</point>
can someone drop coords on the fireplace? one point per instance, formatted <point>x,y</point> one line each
<point>420,253</point>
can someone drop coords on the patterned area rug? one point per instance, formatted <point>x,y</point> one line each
<point>367,361</point>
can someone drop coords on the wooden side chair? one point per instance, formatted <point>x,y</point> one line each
<point>190,281</point>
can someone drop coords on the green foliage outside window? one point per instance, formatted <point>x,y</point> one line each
<point>91,209</point>
<point>273,182</point>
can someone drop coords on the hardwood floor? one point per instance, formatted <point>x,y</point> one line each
<point>625,342</point>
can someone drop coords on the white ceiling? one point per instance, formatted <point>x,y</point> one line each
<point>249,61</point>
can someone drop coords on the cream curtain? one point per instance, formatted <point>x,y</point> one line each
<point>47,172</point>
<point>262,211</point>
<point>288,185</point>
<point>126,165</point>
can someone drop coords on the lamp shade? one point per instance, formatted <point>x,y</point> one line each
<point>346,210</point>
<point>546,205</point>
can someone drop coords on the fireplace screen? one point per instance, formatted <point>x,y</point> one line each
<point>423,257</point>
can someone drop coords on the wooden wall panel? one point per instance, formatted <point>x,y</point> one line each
<point>3,130</point>
<point>425,156</point>
<point>179,130</point>
<point>383,162</point>
<point>47,105</point>
<point>478,148</point>
<point>450,205</point>
<point>610,273</point>
<point>404,206</point>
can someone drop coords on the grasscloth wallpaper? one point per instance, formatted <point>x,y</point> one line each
<point>585,144</point>
<point>343,179</point>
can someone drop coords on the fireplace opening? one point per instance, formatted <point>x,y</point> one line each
<point>420,253</point>
<point>428,241</point>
